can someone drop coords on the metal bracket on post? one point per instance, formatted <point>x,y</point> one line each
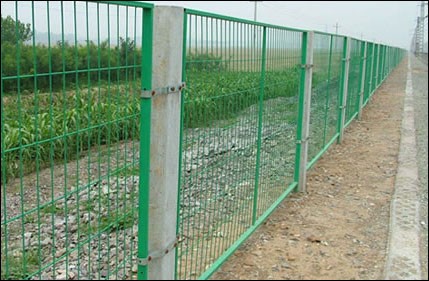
<point>307,66</point>
<point>159,253</point>
<point>303,141</point>
<point>147,94</point>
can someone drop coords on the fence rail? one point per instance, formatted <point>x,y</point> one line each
<point>90,124</point>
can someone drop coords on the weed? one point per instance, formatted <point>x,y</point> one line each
<point>19,265</point>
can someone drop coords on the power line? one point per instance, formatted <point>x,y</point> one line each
<point>281,11</point>
<point>298,15</point>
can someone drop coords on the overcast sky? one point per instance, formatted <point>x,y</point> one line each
<point>387,22</point>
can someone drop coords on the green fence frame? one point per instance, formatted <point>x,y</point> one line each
<point>325,94</point>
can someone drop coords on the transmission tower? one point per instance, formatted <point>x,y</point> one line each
<point>419,37</point>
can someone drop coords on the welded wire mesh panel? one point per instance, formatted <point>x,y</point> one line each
<point>383,62</point>
<point>327,60</point>
<point>70,80</point>
<point>220,129</point>
<point>378,65</point>
<point>382,75</point>
<point>352,102</point>
<point>387,65</point>
<point>238,139</point>
<point>392,59</point>
<point>374,72</point>
<point>279,115</point>
<point>368,72</point>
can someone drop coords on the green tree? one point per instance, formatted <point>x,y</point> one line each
<point>9,28</point>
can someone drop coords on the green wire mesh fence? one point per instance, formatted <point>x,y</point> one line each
<point>368,72</point>
<point>354,79</point>
<point>240,117</point>
<point>70,80</point>
<point>279,118</point>
<point>328,51</point>
<point>240,125</point>
<point>75,132</point>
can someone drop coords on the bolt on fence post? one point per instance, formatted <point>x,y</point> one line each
<point>304,111</point>
<point>165,97</point>
<point>344,88</point>
<point>362,79</point>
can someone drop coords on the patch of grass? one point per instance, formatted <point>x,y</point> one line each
<point>30,219</point>
<point>88,205</point>
<point>124,221</point>
<point>128,171</point>
<point>52,209</point>
<point>19,266</point>
<point>117,220</point>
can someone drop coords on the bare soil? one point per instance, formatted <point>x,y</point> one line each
<point>339,228</point>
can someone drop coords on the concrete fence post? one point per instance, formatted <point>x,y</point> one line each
<point>344,88</point>
<point>362,79</point>
<point>164,140</point>
<point>303,137</point>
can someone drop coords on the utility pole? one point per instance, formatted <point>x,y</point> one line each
<point>255,12</point>
<point>336,28</point>
<point>255,15</point>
